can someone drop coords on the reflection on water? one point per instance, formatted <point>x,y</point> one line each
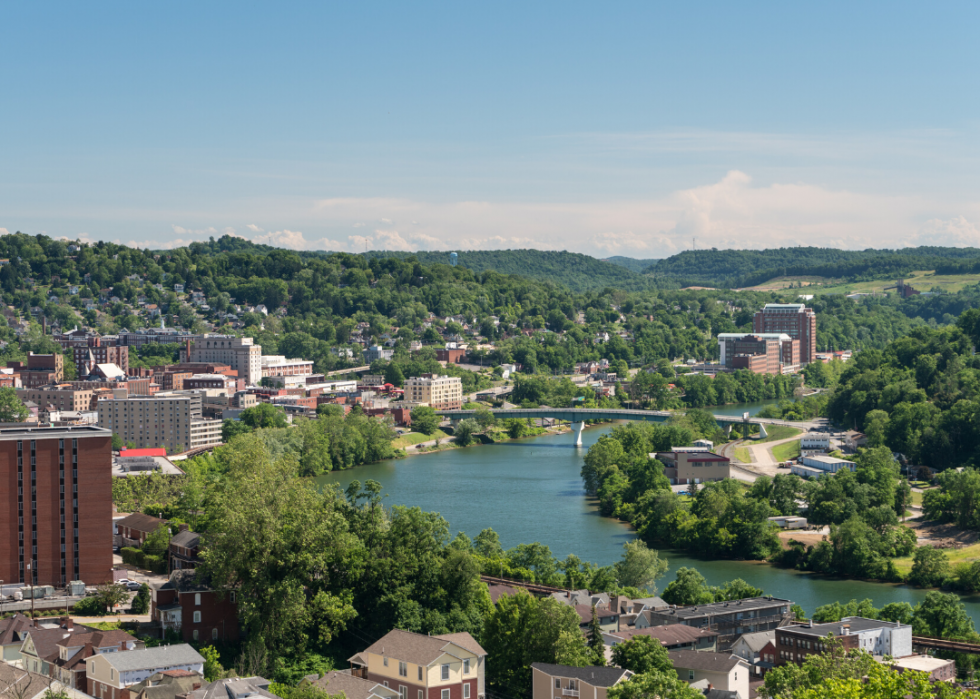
<point>531,490</point>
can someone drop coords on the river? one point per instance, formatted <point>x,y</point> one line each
<point>530,490</point>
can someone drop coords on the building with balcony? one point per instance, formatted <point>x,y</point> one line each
<point>438,392</point>
<point>278,365</point>
<point>171,419</point>
<point>795,643</point>
<point>110,675</point>
<point>729,619</point>
<point>566,682</point>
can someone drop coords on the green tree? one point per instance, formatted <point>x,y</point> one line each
<point>108,595</point>
<point>642,654</point>
<point>792,679</point>
<point>232,428</point>
<point>212,663</point>
<point>394,375</point>
<point>930,567</point>
<point>263,415</point>
<point>463,432</point>
<point>158,541</point>
<point>640,567</point>
<point>942,615</point>
<point>425,420</point>
<point>484,418</point>
<point>522,630</point>
<point>11,407</point>
<point>654,685</point>
<point>117,442</point>
<point>689,587</point>
<point>141,602</point>
<point>596,643</point>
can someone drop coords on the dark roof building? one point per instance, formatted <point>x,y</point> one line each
<point>730,619</point>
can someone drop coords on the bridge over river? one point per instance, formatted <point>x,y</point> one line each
<point>578,416</point>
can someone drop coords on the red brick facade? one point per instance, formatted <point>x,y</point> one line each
<point>38,516</point>
<point>218,613</point>
<point>455,690</point>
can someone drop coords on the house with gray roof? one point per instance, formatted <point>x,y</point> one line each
<point>110,673</point>
<point>353,687</point>
<point>233,688</point>
<point>721,671</point>
<point>563,681</point>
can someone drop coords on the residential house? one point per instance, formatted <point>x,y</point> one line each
<point>184,547</point>
<point>13,630</point>
<point>672,637</point>
<point>168,684</point>
<point>938,669</point>
<point>17,683</point>
<point>718,670</point>
<point>566,682</point>
<point>59,651</point>
<point>608,618</point>
<point>233,688</point>
<point>577,597</point>
<point>190,606</point>
<point>110,675</point>
<point>136,527</point>
<point>352,686</point>
<point>749,647</point>
<point>178,288</point>
<point>450,666</point>
<point>497,591</point>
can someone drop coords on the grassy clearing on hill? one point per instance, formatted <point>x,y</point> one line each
<point>922,280</point>
<point>787,451</point>
<point>778,432</point>
<point>743,455</point>
<point>967,554</point>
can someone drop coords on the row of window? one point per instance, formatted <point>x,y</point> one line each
<point>403,666</point>
<point>403,690</point>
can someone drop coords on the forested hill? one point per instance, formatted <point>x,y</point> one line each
<point>742,268</point>
<point>573,270</point>
<point>631,263</point>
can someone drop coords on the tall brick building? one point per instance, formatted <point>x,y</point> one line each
<point>55,505</point>
<point>793,319</point>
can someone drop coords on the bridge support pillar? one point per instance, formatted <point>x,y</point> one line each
<point>728,430</point>
<point>577,428</point>
<point>762,431</point>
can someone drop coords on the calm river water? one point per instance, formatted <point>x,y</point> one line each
<point>530,490</point>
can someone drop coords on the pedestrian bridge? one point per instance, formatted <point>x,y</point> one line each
<point>578,416</point>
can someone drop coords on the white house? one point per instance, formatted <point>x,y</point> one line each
<point>109,673</point>
<point>720,670</point>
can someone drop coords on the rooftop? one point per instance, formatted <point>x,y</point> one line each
<point>594,675</point>
<point>852,624</point>
<point>419,648</point>
<point>149,658</point>
<point>8,433</point>
<point>701,660</point>
<point>743,605</point>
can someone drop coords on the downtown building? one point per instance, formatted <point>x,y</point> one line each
<point>55,505</point>
<point>760,353</point>
<point>173,420</point>
<point>237,352</point>
<point>793,319</point>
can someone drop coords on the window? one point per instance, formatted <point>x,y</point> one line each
<point>420,673</point>
<point>197,599</point>
<point>194,634</point>
<point>214,634</point>
<point>690,674</point>
<point>403,691</point>
<point>197,617</point>
<point>557,683</point>
<point>466,690</point>
<point>445,694</point>
<point>386,683</point>
<point>466,666</point>
<point>421,694</point>
<point>112,673</point>
<point>385,660</point>
<point>445,671</point>
<point>231,596</point>
<point>402,669</point>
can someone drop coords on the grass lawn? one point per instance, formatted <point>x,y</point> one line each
<point>967,554</point>
<point>787,451</point>
<point>777,432</point>
<point>407,440</point>
<point>743,455</point>
<point>917,498</point>
<point>922,280</point>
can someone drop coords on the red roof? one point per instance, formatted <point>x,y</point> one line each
<point>157,451</point>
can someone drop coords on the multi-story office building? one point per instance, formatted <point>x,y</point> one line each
<point>173,420</point>
<point>793,319</point>
<point>795,643</point>
<point>237,352</point>
<point>439,392</point>
<point>55,505</point>
<point>761,353</point>
<point>729,619</point>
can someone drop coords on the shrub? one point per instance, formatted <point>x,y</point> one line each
<point>132,556</point>
<point>89,606</point>
<point>156,564</point>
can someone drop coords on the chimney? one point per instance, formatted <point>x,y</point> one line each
<point>67,623</point>
<point>183,528</point>
<point>710,686</point>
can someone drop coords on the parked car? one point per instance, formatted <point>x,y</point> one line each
<point>123,581</point>
<point>133,585</point>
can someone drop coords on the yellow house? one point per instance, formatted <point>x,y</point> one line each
<point>450,666</point>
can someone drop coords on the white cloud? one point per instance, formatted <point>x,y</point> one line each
<point>255,229</point>
<point>954,232</point>
<point>386,220</point>
<point>282,239</point>
<point>4,231</point>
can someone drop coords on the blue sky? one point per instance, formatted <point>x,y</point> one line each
<point>610,128</point>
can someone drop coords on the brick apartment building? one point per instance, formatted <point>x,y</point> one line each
<point>439,392</point>
<point>793,319</point>
<point>760,353</point>
<point>450,666</point>
<point>100,353</point>
<point>40,369</point>
<point>194,609</point>
<point>794,643</point>
<point>62,397</point>
<point>237,352</point>
<point>55,505</point>
<point>684,465</point>
<point>278,365</point>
